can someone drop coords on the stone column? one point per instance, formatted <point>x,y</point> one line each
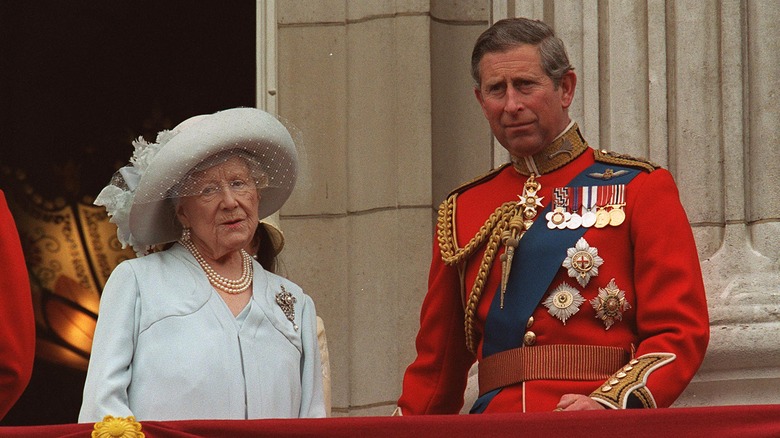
<point>354,78</point>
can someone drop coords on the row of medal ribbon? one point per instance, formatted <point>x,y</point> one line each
<point>589,206</point>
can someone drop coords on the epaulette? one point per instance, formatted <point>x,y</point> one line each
<point>610,157</point>
<point>478,180</point>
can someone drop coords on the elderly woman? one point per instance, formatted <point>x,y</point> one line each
<point>201,330</point>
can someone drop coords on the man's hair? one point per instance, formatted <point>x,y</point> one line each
<point>509,33</point>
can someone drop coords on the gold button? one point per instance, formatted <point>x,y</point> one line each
<point>529,338</point>
<point>530,322</point>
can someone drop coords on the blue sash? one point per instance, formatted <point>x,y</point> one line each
<point>536,261</point>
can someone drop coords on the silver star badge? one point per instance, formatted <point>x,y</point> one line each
<point>563,302</point>
<point>583,262</point>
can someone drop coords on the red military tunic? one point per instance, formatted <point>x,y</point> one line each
<point>651,257</point>
<point>17,326</point>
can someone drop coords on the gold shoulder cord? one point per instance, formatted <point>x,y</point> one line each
<point>497,227</point>
<point>452,255</point>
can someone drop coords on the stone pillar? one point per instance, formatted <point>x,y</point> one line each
<point>740,238</point>
<point>354,78</point>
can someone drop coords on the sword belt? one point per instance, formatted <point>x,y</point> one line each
<point>549,362</point>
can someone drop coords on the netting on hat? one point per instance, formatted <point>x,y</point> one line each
<point>236,171</point>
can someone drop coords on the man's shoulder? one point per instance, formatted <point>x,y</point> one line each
<point>618,159</point>
<point>478,181</point>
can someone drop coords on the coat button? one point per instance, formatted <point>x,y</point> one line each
<point>530,322</point>
<point>529,338</point>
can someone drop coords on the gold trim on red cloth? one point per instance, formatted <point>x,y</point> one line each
<point>549,362</point>
<point>557,154</point>
<point>631,378</point>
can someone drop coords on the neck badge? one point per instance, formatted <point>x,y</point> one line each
<point>518,225</point>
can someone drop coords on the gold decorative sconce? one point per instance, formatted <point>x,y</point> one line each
<point>70,249</point>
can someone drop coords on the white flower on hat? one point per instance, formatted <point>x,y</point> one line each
<point>144,152</point>
<point>118,196</point>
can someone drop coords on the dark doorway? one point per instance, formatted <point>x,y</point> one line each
<point>78,81</point>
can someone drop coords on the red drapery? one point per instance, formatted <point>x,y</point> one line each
<point>711,422</point>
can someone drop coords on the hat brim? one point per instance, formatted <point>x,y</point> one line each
<point>152,215</point>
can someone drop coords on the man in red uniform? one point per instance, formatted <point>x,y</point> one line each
<point>17,326</point>
<point>570,274</point>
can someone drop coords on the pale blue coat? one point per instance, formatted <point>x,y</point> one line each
<point>167,347</point>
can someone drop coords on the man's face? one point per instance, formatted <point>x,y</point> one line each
<point>525,110</point>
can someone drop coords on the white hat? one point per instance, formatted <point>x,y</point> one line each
<point>157,168</point>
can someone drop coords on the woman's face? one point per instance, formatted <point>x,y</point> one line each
<point>222,210</point>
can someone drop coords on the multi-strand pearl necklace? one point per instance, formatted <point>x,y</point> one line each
<point>218,281</point>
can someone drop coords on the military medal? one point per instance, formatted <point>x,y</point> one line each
<point>588,206</point>
<point>563,302</point>
<point>610,304</point>
<point>582,262</point>
<point>575,221</point>
<point>616,214</point>
<point>560,214</point>
<point>602,215</point>
<point>556,218</point>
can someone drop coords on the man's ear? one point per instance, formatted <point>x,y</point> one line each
<point>480,99</point>
<point>478,94</point>
<point>567,86</point>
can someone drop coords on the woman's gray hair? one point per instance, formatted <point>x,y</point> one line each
<point>509,33</point>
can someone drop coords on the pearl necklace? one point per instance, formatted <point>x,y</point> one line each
<point>222,283</point>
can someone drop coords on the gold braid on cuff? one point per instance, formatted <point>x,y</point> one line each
<point>631,380</point>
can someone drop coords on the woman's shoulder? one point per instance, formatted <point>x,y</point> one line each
<point>163,279</point>
<point>155,261</point>
<point>278,280</point>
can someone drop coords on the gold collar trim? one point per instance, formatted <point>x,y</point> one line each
<point>562,151</point>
